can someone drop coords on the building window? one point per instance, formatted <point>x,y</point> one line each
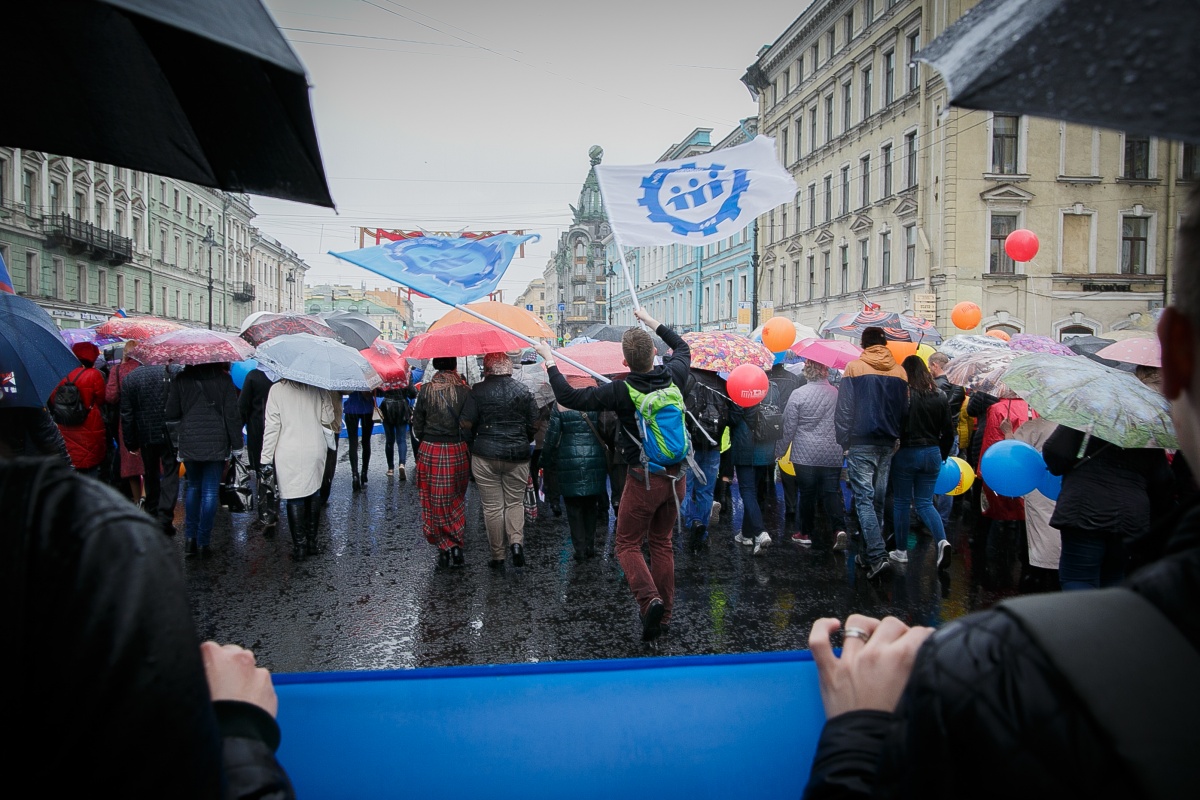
<point>60,279</point>
<point>1191,162</point>
<point>120,290</point>
<point>55,197</point>
<point>812,205</point>
<point>27,194</point>
<point>79,201</point>
<point>887,170</point>
<point>885,258</point>
<point>889,77</point>
<point>828,197</point>
<point>189,208</point>
<point>868,12</point>
<point>812,277</point>
<point>999,261</point>
<point>162,251</point>
<point>118,222</point>
<point>864,166</point>
<point>137,294</point>
<point>867,89</point>
<point>782,221</point>
<point>1005,139</point>
<point>162,198</point>
<point>847,104</point>
<point>846,189</point>
<point>828,117</point>
<point>844,256</point>
<point>102,287</point>
<point>914,69</point>
<point>799,71</point>
<point>176,199</point>
<point>770,286</point>
<point>3,180</point>
<point>1137,157</point>
<point>784,78</point>
<point>825,262</point>
<point>848,26</point>
<point>784,154</point>
<point>830,42</point>
<point>795,281</point>
<point>864,262</point>
<point>910,252</point>
<point>816,55</point>
<point>799,128</point>
<point>1133,245</point>
<point>81,280</point>
<point>910,159</point>
<point>812,128</point>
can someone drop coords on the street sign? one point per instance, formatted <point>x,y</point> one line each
<point>529,306</point>
<point>562,307</point>
<point>549,318</point>
<point>743,317</point>
<point>925,305</point>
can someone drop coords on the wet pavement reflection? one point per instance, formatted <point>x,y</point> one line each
<point>376,598</point>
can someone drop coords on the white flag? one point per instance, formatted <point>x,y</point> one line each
<point>695,200</point>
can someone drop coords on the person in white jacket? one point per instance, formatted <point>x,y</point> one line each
<point>302,424</point>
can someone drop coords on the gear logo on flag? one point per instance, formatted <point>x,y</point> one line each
<point>693,200</point>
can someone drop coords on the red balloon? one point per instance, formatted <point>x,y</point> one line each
<point>747,385</point>
<point>1021,245</point>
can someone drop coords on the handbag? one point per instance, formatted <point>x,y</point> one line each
<point>330,438</point>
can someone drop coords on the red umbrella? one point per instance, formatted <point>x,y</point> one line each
<point>268,326</point>
<point>136,327</point>
<point>388,362</point>
<point>607,358</point>
<point>192,346</point>
<point>462,339</point>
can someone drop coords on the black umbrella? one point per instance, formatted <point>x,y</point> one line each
<point>1131,66</point>
<point>1090,345</point>
<point>206,91</point>
<point>613,333</point>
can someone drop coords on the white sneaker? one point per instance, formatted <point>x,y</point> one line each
<point>715,515</point>
<point>761,542</point>
<point>899,556</point>
<point>742,539</point>
<point>943,554</point>
<point>842,541</point>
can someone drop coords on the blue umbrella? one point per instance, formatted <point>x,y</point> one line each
<point>33,356</point>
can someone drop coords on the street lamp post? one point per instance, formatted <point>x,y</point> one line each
<point>209,242</point>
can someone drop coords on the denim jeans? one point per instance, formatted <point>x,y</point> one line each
<point>200,500</point>
<point>699,498</point>
<point>914,472</point>
<point>752,521</point>
<point>823,482</point>
<point>395,437</point>
<point>868,465</point>
<point>1090,559</point>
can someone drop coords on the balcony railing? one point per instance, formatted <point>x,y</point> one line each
<point>78,237</point>
<point>245,294</point>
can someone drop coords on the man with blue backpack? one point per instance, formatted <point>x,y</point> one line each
<point>654,441</point>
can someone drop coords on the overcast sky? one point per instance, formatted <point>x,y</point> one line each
<point>478,114</point>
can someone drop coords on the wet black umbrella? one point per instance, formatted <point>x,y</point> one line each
<point>613,333</point>
<point>1090,345</point>
<point>208,92</point>
<point>1131,66</point>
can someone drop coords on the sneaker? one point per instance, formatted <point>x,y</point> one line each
<point>651,629</point>
<point>391,472</point>
<point>801,538</point>
<point>742,539</point>
<point>403,477</point>
<point>899,556</point>
<point>715,515</point>
<point>943,557</point>
<point>878,568</point>
<point>761,542</point>
<point>841,541</point>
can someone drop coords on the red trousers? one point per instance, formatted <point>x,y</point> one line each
<point>649,514</point>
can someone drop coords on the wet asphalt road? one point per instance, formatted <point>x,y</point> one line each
<point>376,598</point>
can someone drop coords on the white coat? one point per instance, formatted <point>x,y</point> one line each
<point>294,439</point>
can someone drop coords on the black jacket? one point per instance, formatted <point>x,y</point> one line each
<point>985,714</point>
<point>504,419</point>
<point>954,394</point>
<point>437,422</point>
<point>252,405</point>
<point>143,400</point>
<point>927,422</point>
<point>108,684</point>
<point>706,386</point>
<point>30,432</point>
<point>204,399</point>
<point>614,396</point>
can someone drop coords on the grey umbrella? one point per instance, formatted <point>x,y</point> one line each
<point>353,329</point>
<point>208,92</point>
<point>317,361</point>
<point>613,333</point>
<point>1118,64</point>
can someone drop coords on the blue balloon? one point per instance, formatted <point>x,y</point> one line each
<point>1012,468</point>
<point>1050,485</point>
<point>779,357</point>
<point>238,370</point>
<point>948,478</point>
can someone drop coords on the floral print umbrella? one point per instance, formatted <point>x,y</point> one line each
<point>983,371</point>
<point>957,346</point>
<point>897,327</point>
<point>136,327</point>
<point>1085,395</point>
<point>268,326</point>
<point>721,351</point>
<point>192,346</point>
<point>1029,343</point>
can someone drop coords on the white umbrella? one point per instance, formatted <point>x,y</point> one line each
<point>318,361</point>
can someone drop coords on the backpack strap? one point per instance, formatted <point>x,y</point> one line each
<point>1134,672</point>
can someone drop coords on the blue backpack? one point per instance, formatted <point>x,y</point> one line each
<point>661,422</point>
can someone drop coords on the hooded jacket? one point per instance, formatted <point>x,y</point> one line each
<point>872,399</point>
<point>88,442</point>
<point>614,396</point>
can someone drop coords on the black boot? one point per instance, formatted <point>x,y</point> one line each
<point>366,460</point>
<point>311,512</point>
<point>296,524</point>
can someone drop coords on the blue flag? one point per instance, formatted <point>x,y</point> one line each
<point>452,269</point>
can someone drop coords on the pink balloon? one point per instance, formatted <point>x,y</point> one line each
<point>747,385</point>
<point>1021,245</point>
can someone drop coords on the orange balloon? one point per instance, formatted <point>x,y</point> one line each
<point>999,334</point>
<point>902,350</point>
<point>966,315</point>
<point>778,334</point>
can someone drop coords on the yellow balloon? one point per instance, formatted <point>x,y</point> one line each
<point>966,476</point>
<point>785,461</point>
<point>925,351</point>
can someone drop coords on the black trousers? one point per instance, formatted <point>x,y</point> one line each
<point>353,421</point>
<point>161,480</point>
<point>581,518</point>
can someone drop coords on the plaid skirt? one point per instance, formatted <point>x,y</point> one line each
<point>443,469</point>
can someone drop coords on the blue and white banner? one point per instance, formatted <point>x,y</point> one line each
<point>448,268</point>
<point>695,200</point>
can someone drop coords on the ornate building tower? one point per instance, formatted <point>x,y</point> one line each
<point>578,263</point>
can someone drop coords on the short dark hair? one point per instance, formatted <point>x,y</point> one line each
<point>638,349</point>
<point>872,336</point>
<point>445,362</point>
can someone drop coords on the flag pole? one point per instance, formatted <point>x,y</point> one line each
<point>519,335</point>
